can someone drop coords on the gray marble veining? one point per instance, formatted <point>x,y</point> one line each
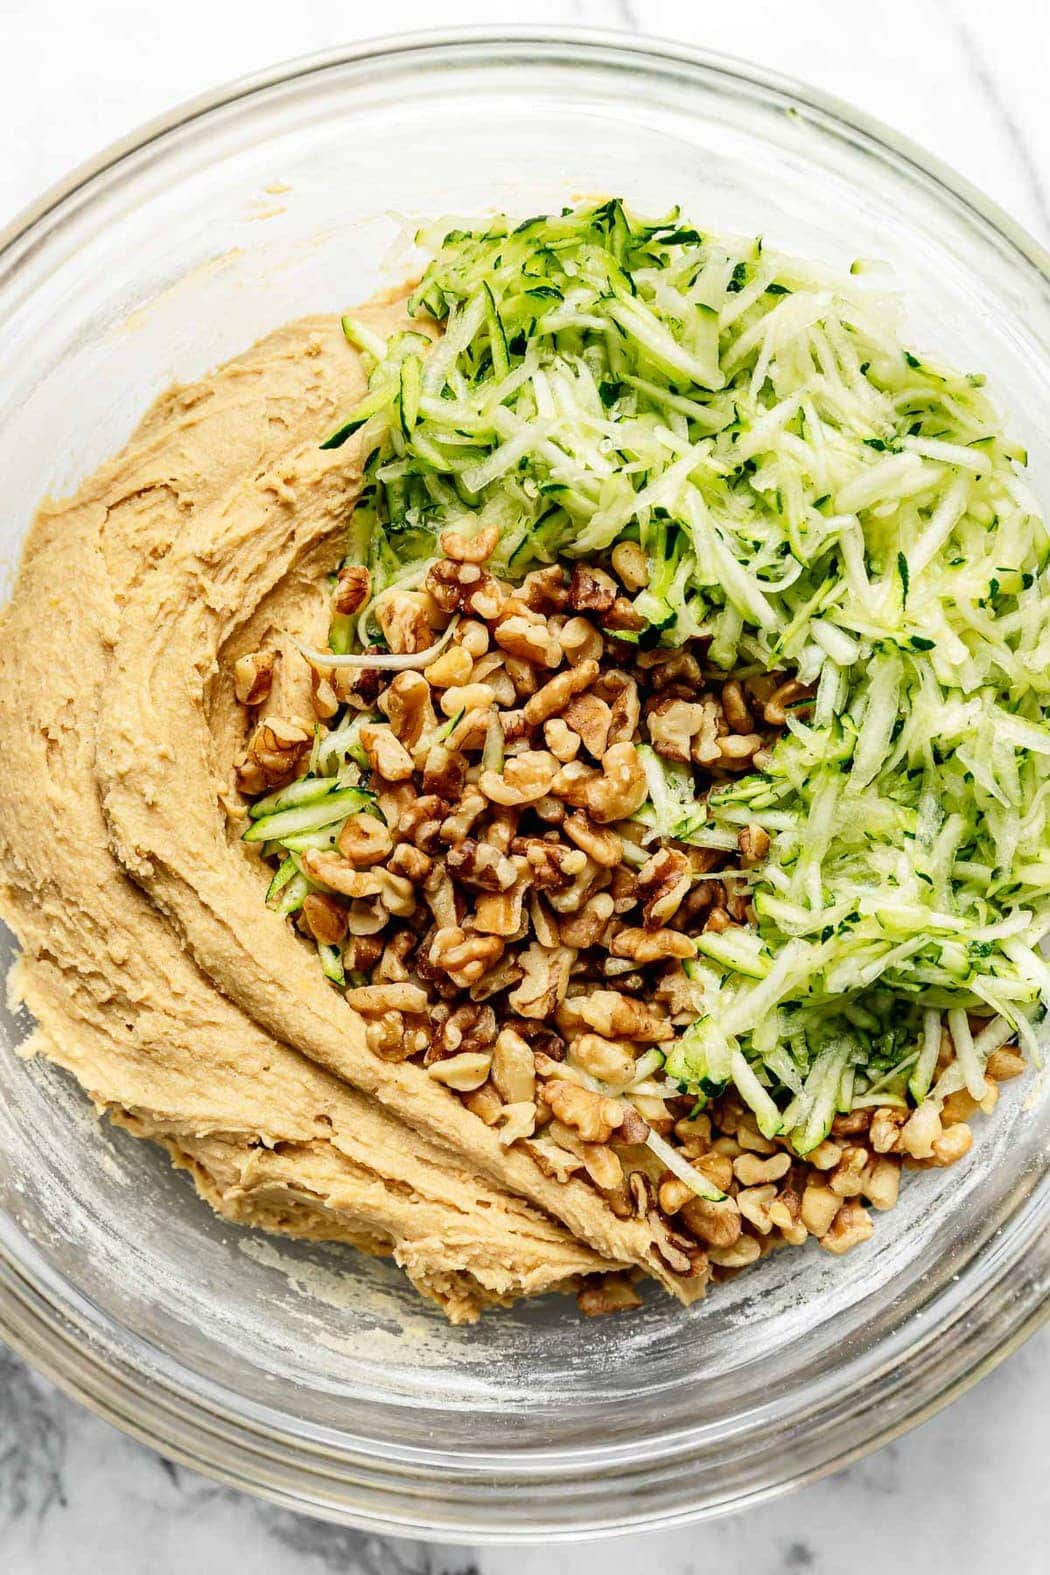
<point>963,1495</point>
<point>997,100</point>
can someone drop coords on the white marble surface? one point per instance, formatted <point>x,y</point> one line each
<point>967,1493</point>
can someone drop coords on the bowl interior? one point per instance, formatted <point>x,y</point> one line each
<point>301,198</point>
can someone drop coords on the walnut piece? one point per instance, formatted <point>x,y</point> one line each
<point>646,946</point>
<point>594,1116</point>
<point>402,616</point>
<point>591,590</point>
<point>555,695</point>
<point>620,789</point>
<point>615,1016</point>
<point>591,719</point>
<point>524,778</point>
<point>464,957</point>
<point>673,724</point>
<point>386,754</point>
<point>470,549</point>
<point>545,979</point>
<point>325,918</point>
<point>513,1068</point>
<point>353,587</point>
<point>253,677</point>
<point>530,639</point>
<point>632,566</point>
<point>501,872</point>
<point>613,1293</point>
<point>275,752</point>
<point>364,840</point>
<point>407,704</point>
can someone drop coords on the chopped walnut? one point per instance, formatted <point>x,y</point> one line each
<point>372,998</point>
<point>706,747</point>
<point>472,549</point>
<point>646,946</point>
<point>663,884</point>
<point>754,844</point>
<point>464,957</point>
<point>735,708</point>
<point>594,1116</point>
<point>545,979</point>
<point>552,865</point>
<point>513,1068</point>
<point>921,1131</point>
<point>581,641</point>
<point>253,677</point>
<point>328,868</point>
<point>882,1177</point>
<point>632,566</point>
<point>736,751</point>
<point>544,590</point>
<point>555,695</point>
<point>787,695</point>
<point>851,1225</point>
<point>615,1016</point>
<point>524,778</point>
<point>744,1250</point>
<point>673,724</point>
<point>590,718</point>
<point>517,1121</point>
<point>586,927</point>
<point>1005,1064</point>
<point>572,782</point>
<point>353,587</point>
<point>952,1144</point>
<point>819,1207</point>
<point>754,1205</point>
<point>621,694</point>
<point>275,752</point>
<point>591,590</point>
<point>512,930</point>
<point>609,1060</point>
<point>386,1036</point>
<point>452,669</point>
<point>464,586</point>
<point>753,1172</point>
<point>716,1223</point>
<point>601,846</point>
<point>624,615</point>
<point>468,1027</point>
<point>621,787</point>
<point>323,697</point>
<point>364,840</point>
<point>682,996</point>
<point>386,754</point>
<point>391,968</point>
<point>403,618</point>
<point>530,639</point>
<point>407,704</point>
<point>454,827</point>
<point>613,1293</point>
<point>500,912</point>
<point>325,918</point>
<point>481,865</point>
<point>463,1072</point>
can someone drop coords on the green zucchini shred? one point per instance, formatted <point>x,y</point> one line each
<point>813,497</point>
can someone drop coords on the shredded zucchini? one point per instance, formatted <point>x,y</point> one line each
<point>814,499</point>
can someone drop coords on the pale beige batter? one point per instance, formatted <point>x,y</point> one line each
<point>186,1009</point>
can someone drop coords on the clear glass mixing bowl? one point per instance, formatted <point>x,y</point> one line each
<point>307,1373</point>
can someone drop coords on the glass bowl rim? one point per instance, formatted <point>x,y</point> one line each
<point>43,1318</point>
